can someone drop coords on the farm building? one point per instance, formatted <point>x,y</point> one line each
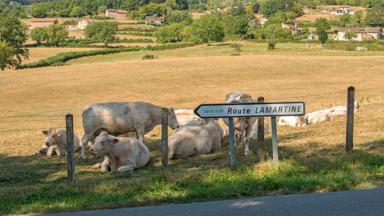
<point>342,11</point>
<point>41,22</point>
<point>116,13</point>
<point>362,33</point>
<point>294,28</point>
<point>82,24</point>
<point>153,20</point>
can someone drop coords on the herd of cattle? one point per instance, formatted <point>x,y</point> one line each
<point>108,127</point>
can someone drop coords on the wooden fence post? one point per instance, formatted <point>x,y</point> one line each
<point>70,148</point>
<point>232,149</point>
<point>260,135</point>
<point>275,149</point>
<point>350,119</point>
<point>164,139</point>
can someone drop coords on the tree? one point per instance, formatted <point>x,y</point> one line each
<point>322,27</point>
<point>39,11</point>
<point>7,59</point>
<point>77,12</point>
<point>153,9</point>
<point>236,25</point>
<point>345,20</point>
<point>274,33</point>
<point>101,9</point>
<point>170,33</point>
<point>350,35</point>
<point>178,16</point>
<point>207,29</point>
<point>39,34</point>
<point>375,15</point>
<point>13,35</point>
<point>56,33</point>
<point>102,31</point>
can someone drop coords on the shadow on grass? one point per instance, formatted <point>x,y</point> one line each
<point>38,184</point>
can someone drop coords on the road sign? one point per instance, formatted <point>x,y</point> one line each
<point>250,110</point>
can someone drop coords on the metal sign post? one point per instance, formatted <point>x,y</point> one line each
<point>239,110</point>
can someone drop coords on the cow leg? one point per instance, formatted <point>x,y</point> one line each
<point>43,150</point>
<point>130,166</point>
<point>246,146</point>
<point>84,143</point>
<point>60,151</point>
<point>51,151</point>
<point>140,133</point>
<point>105,165</point>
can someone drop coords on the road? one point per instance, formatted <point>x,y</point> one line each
<point>348,203</point>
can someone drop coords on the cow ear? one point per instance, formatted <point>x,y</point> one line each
<point>171,109</point>
<point>60,133</point>
<point>45,132</point>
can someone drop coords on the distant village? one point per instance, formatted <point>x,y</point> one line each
<point>336,33</point>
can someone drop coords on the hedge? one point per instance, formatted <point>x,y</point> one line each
<point>61,58</point>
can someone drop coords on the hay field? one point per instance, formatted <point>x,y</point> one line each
<point>313,158</point>
<point>39,53</point>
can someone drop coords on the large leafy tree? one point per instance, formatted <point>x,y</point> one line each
<point>375,15</point>
<point>56,33</point>
<point>39,34</point>
<point>322,27</point>
<point>13,34</point>
<point>102,31</point>
<point>208,28</point>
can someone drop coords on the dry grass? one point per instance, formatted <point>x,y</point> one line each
<point>313,158</point>
<point>39,53</point>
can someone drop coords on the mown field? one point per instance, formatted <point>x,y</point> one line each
<point>312,158</point>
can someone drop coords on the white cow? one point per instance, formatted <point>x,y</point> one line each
<point>121,154</point>
<point>293,121</point>
<point>190,140</point>
<point>342,110</point>
<point>245,127</point>
<point>187,117</point>
<point>56,142</point>
<point>318,116</point>
<point>119,118</point>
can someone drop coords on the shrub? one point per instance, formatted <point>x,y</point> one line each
<point>149,57</point>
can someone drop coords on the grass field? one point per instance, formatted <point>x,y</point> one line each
<point>312,158</point>
<point>40,53</point>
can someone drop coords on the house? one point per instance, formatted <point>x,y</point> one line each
<point>41,22</point>
<point>342,10</point>
<point>116,14</point>
<point>361,33</point>
<point>82,24</point>
<point>153,20</point>
<point>294,28</point>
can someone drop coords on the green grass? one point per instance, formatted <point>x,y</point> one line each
<point>38,184</point>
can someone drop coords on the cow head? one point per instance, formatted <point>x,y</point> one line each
<point>172,120</point>
<point>103,143</point>
<point>52,135</point>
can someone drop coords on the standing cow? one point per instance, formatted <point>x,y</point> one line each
<point>246,128</point>
<point>118,118</point>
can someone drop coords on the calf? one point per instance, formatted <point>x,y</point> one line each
<point>318,117</point>
<point>187,118</point>
<point>56,142</point>
<point>342,110</point>
<point>121,154</point>
<point>293,121</point>
<point>191,140</point>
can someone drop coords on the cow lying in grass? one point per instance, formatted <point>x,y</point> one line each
<point>121,154</point>
<point>191,140</point>
<point>56,142</point>
<point>118,118</point>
